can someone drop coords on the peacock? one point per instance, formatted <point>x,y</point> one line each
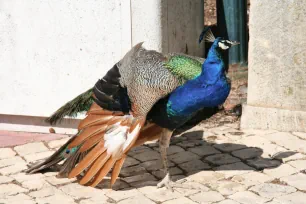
<point>145,96</point>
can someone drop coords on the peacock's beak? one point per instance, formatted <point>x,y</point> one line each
<point>235,43</point>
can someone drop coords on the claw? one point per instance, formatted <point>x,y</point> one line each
<point>166,182</point>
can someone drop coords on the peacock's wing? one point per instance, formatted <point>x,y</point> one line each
<point>184,66</point>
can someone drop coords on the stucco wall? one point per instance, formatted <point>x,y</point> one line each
<point>50,51</point>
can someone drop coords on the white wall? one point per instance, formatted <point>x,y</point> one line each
<point>50,51</point>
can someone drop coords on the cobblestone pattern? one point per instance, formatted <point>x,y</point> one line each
<point>223,164</point>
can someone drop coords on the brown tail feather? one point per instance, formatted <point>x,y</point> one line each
<point>85,134</point>
<point>106,138</point>
<point>88,144</point>
<point>88,160</point>
<point>106,168</point>
<point>116,170</point>
<point>94,120</point>
<point>97,165</point>
<point>103,141</point>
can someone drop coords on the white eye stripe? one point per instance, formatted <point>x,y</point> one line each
<point>223,46</point>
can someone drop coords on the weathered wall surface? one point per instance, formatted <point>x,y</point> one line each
<point>51,51</point>
<point>277,64</point>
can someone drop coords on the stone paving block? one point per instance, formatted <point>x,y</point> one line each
<point>89,201</point>
<point>6,153</point>
<point>228,201</point>
<point>177,139</point>
<point>270,190</point>
<point>139,149</point>
<point>299,164</point>
<point>218,139</point>
<point>182,157</point>
<point>247,197</point>
<point>11,161</point>
<point>173,171</point>
<point>204,150</point>
<point>132,171</point>
<point>173,149</point>
<point>274,202</point>
<point>48,174</point>
<point>8,201</point>
<point>137,178</point>
<point>35,184</point>
<point>56,199</point>
<point>38,156</point>
<point>11,189</point>
<point>137,199</point>
<point>194,165</point>
<point>301,135</point>
<point>129,161</point>
<point>230,170</point>
<point>248,153</point>
<point>252,178</point>
<point>147,156</point>
<point>140,184</point>
<point>13,169</point>
<point>30,148</point>
<point>298,181</point>
<point>285,139</point>
<point>204,177</point>
<point>159,194</point>
<point>123,194</point>
<point>58,143</point>
<point>281,171</point>
<point>227,187</point>
<point>45,192</point>
<point>297,156</point>
<point>155,165</point>
<point>56,181</point>
<point>21,177</point>
<point>229,147</point>
<point>263,163</point>
<point>119,184</point>
<point>264,144</point>
<point>220,159</point>
<point>207,197</point>
<point>182,200</point>
<point>196,187</point>
<point>5,179</point>
<point>186,144</point>
<point>20,198</point>
<point>78,191</point>
<point>294,198</point>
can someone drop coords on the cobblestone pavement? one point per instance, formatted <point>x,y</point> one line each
<point>223,164</point>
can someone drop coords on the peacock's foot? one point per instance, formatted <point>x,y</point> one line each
<point>169,184</point>
<point>166,182</point>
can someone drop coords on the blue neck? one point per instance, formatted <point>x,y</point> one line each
<point>213,67</point>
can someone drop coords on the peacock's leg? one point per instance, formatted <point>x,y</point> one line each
<point>164,142</point>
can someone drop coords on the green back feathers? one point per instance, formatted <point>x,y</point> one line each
<point>184,67</point>
<point>79,104</point>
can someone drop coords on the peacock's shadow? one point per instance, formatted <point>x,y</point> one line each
<point>189,154</point>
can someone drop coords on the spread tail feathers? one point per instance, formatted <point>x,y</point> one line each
<point>81,103</point>
<point>102,143</point>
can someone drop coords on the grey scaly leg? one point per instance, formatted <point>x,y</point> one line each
<point>164,142</point>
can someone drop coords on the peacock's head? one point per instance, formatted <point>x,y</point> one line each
<point>224,44</point>
<point>218,42</point>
